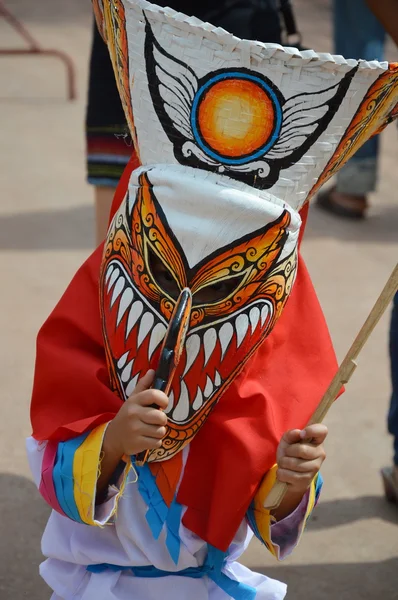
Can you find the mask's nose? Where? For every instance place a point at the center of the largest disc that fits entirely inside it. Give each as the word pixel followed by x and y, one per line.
pixel 171 351
pixel 174 342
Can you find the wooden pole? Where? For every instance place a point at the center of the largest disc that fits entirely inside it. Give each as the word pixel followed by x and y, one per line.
pixel 344 373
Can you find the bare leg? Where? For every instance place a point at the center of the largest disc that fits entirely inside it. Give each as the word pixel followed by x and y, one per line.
pixel 103 202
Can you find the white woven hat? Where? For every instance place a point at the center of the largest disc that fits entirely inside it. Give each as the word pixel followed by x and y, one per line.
pixel 274 118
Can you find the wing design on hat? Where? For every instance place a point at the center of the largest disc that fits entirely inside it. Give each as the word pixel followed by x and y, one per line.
pixel 236 121
pixel 304 119
pixel 173 86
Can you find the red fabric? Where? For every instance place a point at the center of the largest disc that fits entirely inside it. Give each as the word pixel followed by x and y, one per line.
pixel 71 386
pixel 278 390
pixel 71 341
pixel 121 189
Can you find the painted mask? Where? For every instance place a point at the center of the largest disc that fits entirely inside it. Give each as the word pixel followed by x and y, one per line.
pixel 233 137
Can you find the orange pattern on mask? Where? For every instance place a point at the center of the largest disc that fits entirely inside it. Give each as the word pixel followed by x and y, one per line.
pixel 261 277
pixel 148 233
pixel 249 260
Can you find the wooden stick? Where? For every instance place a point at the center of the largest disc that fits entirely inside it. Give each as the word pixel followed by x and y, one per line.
pixel 344 373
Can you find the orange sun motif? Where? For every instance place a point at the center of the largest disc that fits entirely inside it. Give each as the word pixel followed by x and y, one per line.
pixel 236 117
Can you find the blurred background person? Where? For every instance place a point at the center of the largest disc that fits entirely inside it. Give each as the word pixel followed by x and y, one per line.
pixel 387 13
pixel 357 34
pixel 390 474
pixel 108 142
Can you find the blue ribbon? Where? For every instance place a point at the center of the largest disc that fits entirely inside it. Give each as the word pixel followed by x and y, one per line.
pixel 236 590
pixel 211 568
pixel 158 513
pixel 63 476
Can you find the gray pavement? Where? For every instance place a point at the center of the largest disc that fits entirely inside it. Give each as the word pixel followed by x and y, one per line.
pixel 46 230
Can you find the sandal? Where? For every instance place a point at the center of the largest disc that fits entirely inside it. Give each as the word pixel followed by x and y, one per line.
pixel 326 202
pixel 390 484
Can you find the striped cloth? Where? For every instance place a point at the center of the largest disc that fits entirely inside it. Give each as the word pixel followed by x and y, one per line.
pixel 108 142
pixel 69 476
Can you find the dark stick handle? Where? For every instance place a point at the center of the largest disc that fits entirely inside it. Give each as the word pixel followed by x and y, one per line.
pixel 171 351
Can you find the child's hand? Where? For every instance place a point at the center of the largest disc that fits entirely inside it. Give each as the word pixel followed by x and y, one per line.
pixel 298 461
pixel 138 426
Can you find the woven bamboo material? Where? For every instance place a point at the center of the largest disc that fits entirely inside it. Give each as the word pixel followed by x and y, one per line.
pixel 188 51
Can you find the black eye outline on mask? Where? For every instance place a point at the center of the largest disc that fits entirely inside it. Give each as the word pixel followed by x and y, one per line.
pixel 165 280
pixel 158 270
pixel 231 284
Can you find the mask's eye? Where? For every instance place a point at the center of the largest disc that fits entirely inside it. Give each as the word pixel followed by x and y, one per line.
pixel 162 275
pixel 217 291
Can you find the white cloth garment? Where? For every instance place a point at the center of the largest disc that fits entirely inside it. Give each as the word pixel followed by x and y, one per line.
pixel 128 541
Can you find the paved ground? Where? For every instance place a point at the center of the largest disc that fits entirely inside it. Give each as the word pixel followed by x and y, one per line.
pixel 46 230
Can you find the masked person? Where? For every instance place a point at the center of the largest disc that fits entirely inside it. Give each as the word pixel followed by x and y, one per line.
pixel 233 138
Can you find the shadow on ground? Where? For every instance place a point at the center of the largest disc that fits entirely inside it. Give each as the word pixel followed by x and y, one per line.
pixel 23 517
pixel 342 581
pixel 376 229
pixel 349 581
pixel 67 229
pixel 349 510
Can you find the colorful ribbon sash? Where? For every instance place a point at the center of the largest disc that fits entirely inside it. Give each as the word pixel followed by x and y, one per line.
pixel 211 568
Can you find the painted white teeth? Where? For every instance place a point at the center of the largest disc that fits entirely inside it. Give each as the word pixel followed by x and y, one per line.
pixel 122 360
pixel 157 336
pixel 119 287
pixel 192 348
pixel 241 325
pixel 113 278
pixel 254 317
pixel 125 301
pixel 131 386
pixel 217 379
pixel 125 376
pixel 225 334
pixel 181 411
pixel 209 341
pixel 135 313
pixel 197 403
pixel 264 314
pixel 145 327
pixel 171 403
pixel 109 273
pixel 209 387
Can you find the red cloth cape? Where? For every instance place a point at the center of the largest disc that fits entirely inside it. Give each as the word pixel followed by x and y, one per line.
pixel 278 389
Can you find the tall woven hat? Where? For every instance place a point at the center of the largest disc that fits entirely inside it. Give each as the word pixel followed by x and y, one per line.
pixel 274 118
